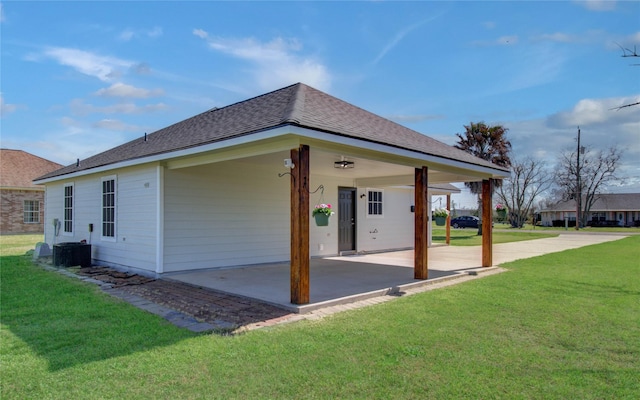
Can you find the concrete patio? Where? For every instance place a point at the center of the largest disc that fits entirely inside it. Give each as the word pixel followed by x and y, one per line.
pixel 340 280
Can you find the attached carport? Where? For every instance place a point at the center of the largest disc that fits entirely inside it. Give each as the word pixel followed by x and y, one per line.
pixel 313 155
pixel 443 171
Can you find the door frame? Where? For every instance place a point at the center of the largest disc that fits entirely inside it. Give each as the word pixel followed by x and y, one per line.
pixel 354 205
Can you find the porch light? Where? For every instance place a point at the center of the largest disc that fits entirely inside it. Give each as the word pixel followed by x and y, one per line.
pixel 344 164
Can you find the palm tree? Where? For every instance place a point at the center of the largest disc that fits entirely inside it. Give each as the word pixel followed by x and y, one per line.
pixel 489 143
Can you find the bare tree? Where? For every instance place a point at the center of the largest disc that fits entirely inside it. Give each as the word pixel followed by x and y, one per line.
pixel 529 178
pixel 595 170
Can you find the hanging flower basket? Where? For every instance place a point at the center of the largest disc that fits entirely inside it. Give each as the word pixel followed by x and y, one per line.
pixel 440 215
pixel 321 219
pixel 501 210
pixel 321 213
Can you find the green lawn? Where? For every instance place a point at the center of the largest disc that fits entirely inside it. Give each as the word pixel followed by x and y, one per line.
pixel 469 236
pixel 18 244
pixel 565 325
pixel 618 229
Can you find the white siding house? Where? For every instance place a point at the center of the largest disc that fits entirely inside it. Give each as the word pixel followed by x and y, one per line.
pixel 134 244
pixel 213 191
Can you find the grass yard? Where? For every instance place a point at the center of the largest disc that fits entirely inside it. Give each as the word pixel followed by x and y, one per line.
pixel 469 236
pixel 18 244
pixel 618 229
pixel 564 325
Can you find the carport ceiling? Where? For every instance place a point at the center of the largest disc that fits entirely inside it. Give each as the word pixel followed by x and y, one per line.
pixel 366 172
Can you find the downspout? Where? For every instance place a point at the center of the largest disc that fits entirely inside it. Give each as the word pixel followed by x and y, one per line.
pixel 160 219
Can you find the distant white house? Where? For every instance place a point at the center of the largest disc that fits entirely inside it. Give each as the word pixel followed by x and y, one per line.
pixel 221 188
pixel 619 209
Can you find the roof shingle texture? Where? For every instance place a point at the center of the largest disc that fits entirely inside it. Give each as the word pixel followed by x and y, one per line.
pixel 18 168
pixel 298 105
pixel 604 202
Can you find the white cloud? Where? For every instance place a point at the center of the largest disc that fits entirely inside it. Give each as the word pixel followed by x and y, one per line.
pixel 530 67
pixel 593 36
pixel 597 5
pixel 123 90
pixel 501 41
pixel 627 45
pixel 129 33
pixel 79 107
pixel 489 24
pixel 70 140
pixel 116 125
pixel 558 37
pixel 141 69
pixel 5 108
pixel 200 33
pixel 155 32
pixel 597 112
pixel 104 68
pixel 126 35
pixel 601 128
pixel 70 122
pixel 250 49
pixel 66 145
pixel 275 63
pixel 414 118
pixel 397 38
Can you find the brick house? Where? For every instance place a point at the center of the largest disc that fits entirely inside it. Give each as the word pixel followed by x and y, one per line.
pixel 22 202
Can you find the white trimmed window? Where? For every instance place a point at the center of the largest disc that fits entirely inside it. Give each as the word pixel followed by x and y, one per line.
pixel 109 208
pixel 374 202
pixel 67 222
pixel 31 212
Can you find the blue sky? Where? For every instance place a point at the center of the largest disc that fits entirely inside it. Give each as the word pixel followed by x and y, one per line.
pixel 78 78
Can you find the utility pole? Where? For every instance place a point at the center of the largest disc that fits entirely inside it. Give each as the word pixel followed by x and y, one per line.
pixel 578 188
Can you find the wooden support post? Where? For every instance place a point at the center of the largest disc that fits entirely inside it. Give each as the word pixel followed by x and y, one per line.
pixel 487 222
pixel 421 217
pixel 300 225
pixel 448 223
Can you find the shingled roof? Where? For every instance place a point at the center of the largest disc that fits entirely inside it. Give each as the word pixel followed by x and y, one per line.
pixel 18 168
pixel 295 105
pixel 603 203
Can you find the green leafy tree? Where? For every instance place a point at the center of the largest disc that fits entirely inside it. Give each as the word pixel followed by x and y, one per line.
pixel 488 142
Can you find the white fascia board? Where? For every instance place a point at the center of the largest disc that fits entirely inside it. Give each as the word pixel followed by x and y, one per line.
pixel 270 133
pixel 280 131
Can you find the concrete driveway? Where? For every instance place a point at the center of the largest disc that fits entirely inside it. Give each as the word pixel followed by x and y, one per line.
pixel 339 280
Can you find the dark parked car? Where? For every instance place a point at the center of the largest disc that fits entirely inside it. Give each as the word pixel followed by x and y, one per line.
pixel 466 221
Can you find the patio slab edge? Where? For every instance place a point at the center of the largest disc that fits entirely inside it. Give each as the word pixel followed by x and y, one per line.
pixel 390 291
